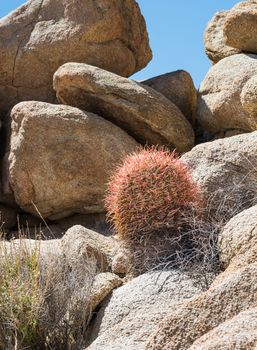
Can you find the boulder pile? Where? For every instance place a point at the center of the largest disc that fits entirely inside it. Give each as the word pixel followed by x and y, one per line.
pixel 70 114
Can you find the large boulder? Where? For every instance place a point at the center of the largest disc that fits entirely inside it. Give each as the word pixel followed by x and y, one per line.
pixel 214 41
pixel 238 333
pixel 60 158
pixel 179 88
pixel 248 97
pixel 220 107
pixel 192 319
pixel 42 35
pixel 240 27
pixel 238 236
pixel 225 170
pixel 143 112
pixel 129 315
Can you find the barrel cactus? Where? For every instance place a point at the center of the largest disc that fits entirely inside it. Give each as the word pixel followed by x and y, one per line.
pixel 150 193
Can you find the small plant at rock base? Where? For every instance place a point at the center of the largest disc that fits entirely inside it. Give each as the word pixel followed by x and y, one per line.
pixel 151 192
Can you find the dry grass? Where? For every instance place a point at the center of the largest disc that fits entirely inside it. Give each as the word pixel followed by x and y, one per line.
pixel 191 248
pixel 43 299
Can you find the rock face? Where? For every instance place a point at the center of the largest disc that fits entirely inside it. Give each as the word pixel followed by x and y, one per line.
pixel 214 41
pixel 196 317
pixel 219 104
pixel 239 235
pixel 144 113
pixel 41 35
pixel 240 28
pixel 61 157
pixel 238 333
pixel 225 169
pixel 79 241
pixel 248 97
pixel 179 88
pixel 129 316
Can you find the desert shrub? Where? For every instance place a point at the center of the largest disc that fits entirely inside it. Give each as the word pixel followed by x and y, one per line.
pixel 21 298
pixel 150 193
pixel 44 301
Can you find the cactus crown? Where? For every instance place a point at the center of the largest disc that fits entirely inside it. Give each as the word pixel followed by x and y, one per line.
pixel 152 191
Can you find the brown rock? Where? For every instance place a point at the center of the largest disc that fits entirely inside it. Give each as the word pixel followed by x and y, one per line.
pixel 61 158
pixel 240 27
pixel 144 113
pixel 219 104
pixel 214 42
pixel 238 333
pixel 179 88
pixel 194 318
pixel 42 35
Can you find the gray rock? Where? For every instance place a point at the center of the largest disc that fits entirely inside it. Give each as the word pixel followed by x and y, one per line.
pixel 128 317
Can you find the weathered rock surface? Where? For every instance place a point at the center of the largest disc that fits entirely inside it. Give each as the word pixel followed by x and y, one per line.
pixel 225 169
pixel 219 104
pixel 248 97
pixel 179 88
pixel 143 112
pixel 239 235
pixel 196 317
pixel 238 333
pixel 61 157
pixel 240 28
pixel 42 35
pixel 103 285
pixel 214 41
pixel 83 243
pixel 129 316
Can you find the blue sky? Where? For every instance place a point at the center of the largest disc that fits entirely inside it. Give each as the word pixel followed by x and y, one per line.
pixel 175 29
